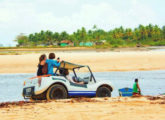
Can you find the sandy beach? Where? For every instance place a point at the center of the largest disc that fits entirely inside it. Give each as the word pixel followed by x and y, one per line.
pixel 88 109
pixel 115 108
pixel 98 61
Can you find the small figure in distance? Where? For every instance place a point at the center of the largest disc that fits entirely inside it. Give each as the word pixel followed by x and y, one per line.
pixel 136 89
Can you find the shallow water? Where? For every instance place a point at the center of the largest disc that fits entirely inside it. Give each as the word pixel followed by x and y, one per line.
pixel 151 83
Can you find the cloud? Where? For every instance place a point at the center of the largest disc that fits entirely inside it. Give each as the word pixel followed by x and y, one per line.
pixel 139 13
pixel 21 16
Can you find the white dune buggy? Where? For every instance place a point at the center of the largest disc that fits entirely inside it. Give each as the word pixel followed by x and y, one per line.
pixel 59 87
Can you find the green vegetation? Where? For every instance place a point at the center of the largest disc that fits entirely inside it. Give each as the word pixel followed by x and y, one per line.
pixel 150 35
pixel 10 53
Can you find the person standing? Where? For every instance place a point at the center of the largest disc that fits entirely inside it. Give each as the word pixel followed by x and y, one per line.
pixel 136 88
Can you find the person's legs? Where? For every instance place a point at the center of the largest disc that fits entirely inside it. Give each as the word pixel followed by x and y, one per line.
pixel 136 95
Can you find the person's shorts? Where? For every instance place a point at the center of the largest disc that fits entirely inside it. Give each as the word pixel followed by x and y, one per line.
pixel 134 94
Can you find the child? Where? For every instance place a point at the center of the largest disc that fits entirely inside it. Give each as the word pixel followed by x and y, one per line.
pixel 52 63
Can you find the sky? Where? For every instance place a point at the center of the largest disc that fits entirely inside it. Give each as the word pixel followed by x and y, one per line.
pixel 30 16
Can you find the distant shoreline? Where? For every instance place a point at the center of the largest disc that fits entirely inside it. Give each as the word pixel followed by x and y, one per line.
pixel 99 61
pixel 13 50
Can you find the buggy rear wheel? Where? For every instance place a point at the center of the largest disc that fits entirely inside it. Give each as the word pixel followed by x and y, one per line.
pixel 103 92
pixel 56 92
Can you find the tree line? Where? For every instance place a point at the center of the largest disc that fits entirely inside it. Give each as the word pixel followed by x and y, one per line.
pixel 118 37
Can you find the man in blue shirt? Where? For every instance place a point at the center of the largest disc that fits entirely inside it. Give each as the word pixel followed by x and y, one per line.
pixel 52 63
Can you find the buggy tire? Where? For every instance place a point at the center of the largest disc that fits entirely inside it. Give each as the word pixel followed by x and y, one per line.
pixel 103 92
pixel 41 96
pixel 56 92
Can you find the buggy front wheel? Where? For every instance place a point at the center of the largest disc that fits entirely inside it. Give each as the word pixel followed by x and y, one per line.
pixel 56 92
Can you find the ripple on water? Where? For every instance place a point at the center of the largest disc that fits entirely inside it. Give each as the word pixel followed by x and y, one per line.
pixel 151 82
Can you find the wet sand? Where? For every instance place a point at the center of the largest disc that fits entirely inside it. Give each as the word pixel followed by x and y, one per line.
pixel 98 61
pixel 88 109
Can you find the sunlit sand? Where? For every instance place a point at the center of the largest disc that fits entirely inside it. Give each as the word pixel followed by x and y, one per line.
pixel 98 61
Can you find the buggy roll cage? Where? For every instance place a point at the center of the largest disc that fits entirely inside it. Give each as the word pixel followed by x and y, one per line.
pixel 75 66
